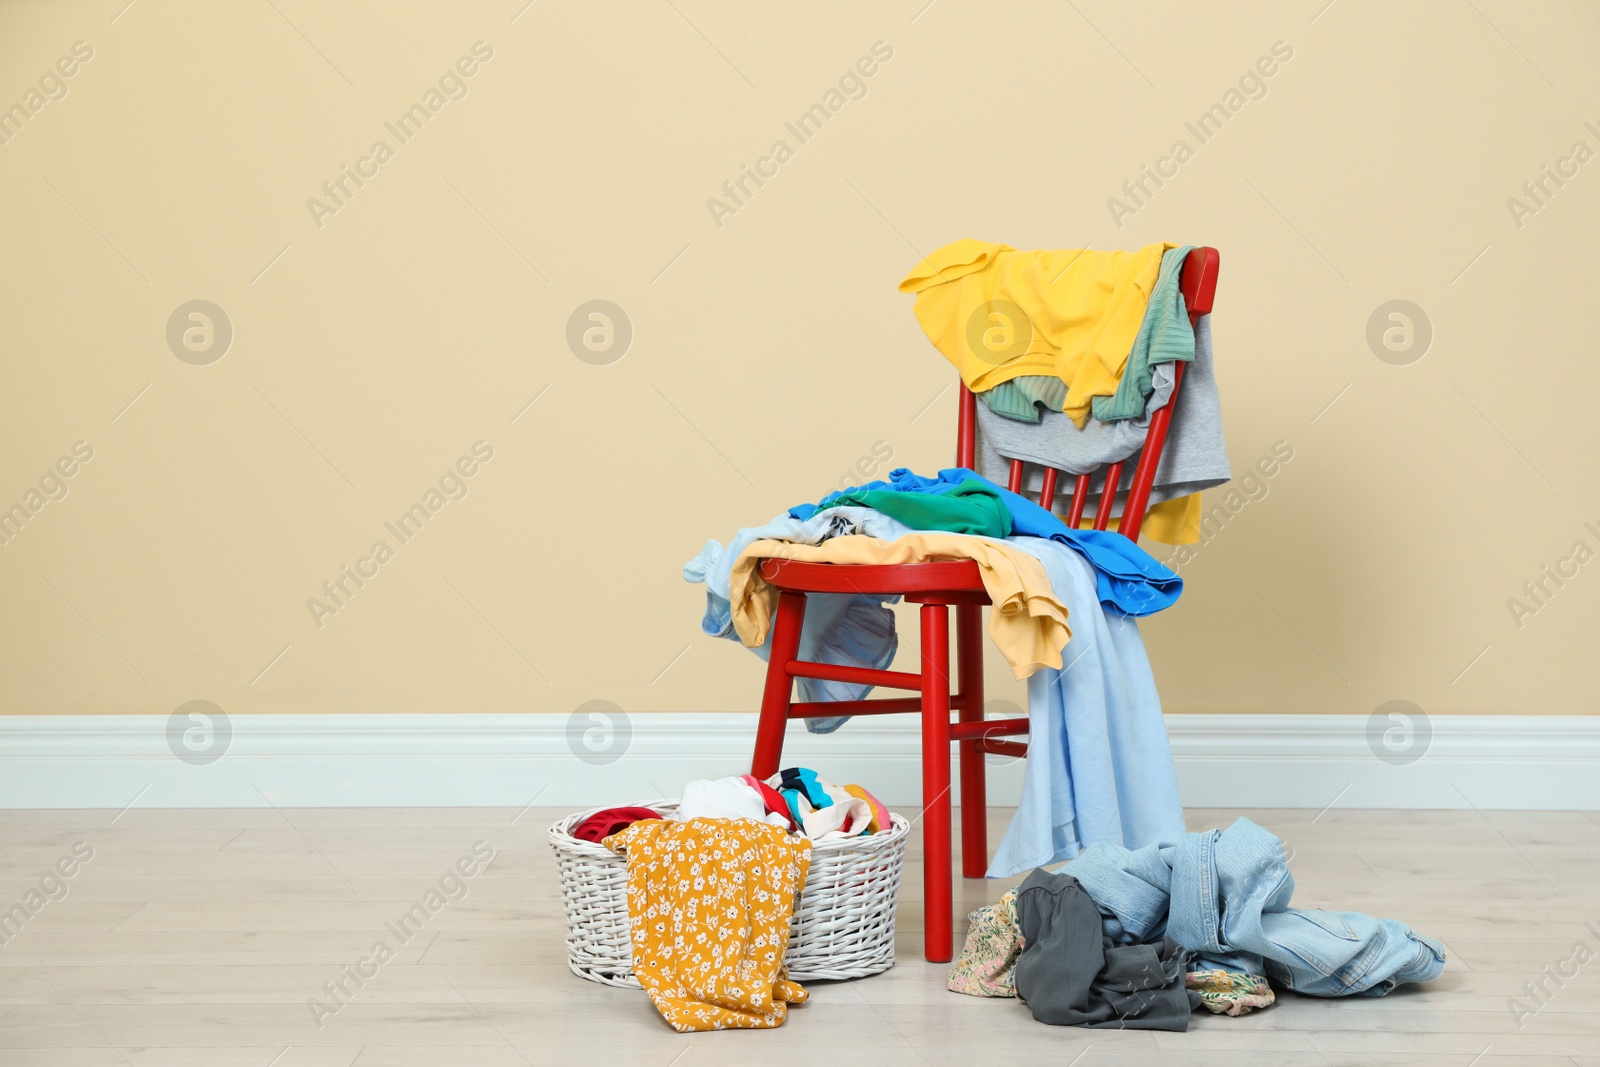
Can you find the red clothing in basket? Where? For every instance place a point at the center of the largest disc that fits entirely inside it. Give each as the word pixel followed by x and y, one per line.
pixel 602 824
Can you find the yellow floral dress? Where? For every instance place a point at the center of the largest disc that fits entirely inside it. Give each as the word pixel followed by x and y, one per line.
pixel 709 904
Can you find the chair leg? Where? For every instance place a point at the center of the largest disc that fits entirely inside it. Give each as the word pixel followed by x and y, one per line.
pixel 974 795
pixel 775 698
pixel 936 877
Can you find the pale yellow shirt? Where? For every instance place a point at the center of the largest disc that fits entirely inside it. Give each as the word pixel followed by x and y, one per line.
pixel 1028 624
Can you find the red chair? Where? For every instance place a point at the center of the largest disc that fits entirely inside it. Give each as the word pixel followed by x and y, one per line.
pixel 938 586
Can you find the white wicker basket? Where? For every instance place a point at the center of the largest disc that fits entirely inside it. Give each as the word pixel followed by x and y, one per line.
pixel 843 924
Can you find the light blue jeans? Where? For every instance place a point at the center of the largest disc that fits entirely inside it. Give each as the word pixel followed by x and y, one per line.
pixel 1224 894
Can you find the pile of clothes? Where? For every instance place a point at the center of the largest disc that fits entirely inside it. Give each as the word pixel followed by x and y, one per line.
pixel 712 888
pixel 798 799
pixel 1072 352
pixel 1099 766
pixel 1139 938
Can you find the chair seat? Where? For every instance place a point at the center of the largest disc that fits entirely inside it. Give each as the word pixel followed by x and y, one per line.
pixel 954 581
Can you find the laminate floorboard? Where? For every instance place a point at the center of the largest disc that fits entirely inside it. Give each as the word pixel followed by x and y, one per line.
pixel 197 938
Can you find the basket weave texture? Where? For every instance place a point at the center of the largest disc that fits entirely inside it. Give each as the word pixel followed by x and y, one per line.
pixel 843 925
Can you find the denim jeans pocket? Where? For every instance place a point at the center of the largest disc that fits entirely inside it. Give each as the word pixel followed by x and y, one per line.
pixel 1330 922
pixel 1323 942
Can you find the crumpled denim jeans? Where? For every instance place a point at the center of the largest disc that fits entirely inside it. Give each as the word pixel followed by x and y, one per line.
pixel 1224 894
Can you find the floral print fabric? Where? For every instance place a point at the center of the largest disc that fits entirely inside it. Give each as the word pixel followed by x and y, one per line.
pixel 1230 992
pixel 987 966
pixel 709 904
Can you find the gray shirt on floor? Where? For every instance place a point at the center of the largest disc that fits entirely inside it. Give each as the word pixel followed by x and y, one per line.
pixel 1195 456
pixel 1070 976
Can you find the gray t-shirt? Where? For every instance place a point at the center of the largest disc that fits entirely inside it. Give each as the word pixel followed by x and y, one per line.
pixel 1195 456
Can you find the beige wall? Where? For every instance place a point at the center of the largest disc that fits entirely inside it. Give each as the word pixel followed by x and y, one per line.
pixel 771 352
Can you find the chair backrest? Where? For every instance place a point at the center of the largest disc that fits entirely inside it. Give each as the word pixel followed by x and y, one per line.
pixel 1199 286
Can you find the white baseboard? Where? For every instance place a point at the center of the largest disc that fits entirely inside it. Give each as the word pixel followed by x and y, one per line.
pixel 466 760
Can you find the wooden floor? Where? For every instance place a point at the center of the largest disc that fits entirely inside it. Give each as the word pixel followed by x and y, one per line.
pixel 198 937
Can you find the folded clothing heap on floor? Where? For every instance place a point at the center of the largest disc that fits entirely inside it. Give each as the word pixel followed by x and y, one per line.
pixel 1137 939
pixel 712 888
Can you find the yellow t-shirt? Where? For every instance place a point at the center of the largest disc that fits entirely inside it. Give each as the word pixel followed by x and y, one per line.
pixel 1028 624
pixel 998 314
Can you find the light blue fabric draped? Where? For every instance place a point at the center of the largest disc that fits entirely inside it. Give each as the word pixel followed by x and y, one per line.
pixel 850 630
pixel 1099 765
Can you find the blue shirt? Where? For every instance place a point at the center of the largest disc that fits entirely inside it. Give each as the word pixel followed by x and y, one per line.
pixel 1129 580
